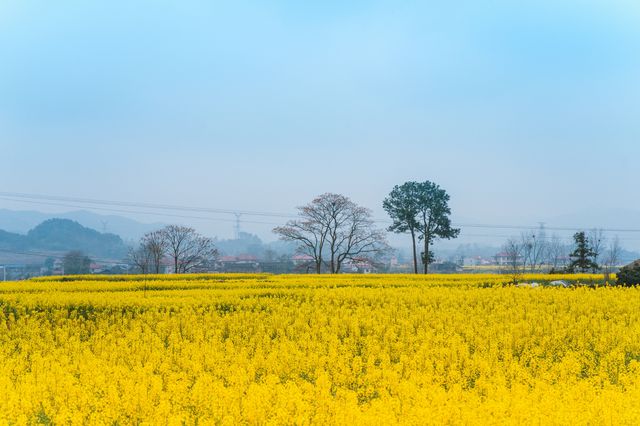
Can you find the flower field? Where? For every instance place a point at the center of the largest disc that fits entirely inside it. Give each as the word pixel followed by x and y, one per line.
pixel 304 349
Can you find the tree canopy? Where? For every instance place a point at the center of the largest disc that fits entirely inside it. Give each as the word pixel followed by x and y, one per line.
pixel 422 210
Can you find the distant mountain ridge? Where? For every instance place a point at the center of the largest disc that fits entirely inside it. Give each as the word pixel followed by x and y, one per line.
pixel 128 229
pixel 61 235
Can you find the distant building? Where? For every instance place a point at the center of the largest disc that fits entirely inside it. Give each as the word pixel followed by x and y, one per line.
pixel 97 268
pixel 240 263
pixel 503 259
pixel 303 263
pixel 58 267
pixel 301 259
pixel 358 266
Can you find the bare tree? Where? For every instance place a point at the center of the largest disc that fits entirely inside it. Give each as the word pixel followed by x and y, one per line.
pixel 598 241
pixel 513 250
pixel 355 238
pixel 187 248
pixel 155 244
pixel 309 234
pixel 556 253
pixel 332 229
pixel 534 247
pixel 612 257
pixel 140 257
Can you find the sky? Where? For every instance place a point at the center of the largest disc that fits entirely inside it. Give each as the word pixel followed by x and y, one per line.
pixel 523 111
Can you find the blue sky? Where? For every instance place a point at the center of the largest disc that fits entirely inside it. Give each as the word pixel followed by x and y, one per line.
pixel 523 111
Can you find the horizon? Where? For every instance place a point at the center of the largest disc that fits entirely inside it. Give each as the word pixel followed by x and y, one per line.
pixel 484 236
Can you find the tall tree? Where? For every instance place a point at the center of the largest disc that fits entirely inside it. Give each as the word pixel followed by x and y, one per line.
pixel 583 254
pixel 401 205
pixel 433 216
pixel 332 229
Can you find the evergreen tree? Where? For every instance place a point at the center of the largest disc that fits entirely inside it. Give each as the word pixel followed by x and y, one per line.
pixel 582 258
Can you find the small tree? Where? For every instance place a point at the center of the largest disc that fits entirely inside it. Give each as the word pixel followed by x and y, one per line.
pixel 534 249
pixel 155 246
pixel 583 254
pixel 513 249
pixel 76 262
pixel 630 274
pixel 611 258
pixel 140 257
pixel 556 253
pixel 598 242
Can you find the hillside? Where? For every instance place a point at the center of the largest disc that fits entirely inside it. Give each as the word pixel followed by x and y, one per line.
pixel 60 235
pixel 21 221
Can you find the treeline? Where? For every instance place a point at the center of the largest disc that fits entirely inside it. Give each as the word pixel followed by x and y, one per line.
pixel 332 229
pixel 328 232
pixel 535 252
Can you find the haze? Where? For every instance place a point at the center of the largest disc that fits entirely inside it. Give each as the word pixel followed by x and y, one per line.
pixel 522 111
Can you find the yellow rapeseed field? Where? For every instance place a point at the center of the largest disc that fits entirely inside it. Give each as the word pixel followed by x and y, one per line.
pixel 304 349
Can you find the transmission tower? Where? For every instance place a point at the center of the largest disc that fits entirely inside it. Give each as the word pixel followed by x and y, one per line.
pixel 237 225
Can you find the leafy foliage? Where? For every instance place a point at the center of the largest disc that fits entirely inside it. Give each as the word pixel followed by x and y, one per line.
pixel 629 275
pixel 582 258
pixel 422 209
pixel 76 263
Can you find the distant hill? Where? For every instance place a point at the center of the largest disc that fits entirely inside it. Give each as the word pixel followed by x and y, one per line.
pixel 22 221
pixel 60 235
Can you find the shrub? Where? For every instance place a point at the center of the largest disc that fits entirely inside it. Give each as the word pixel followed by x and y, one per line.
pixel 630 274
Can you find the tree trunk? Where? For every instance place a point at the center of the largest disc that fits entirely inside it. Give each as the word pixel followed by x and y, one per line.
pixel 415 255
pixel 426 255
pixel 175 264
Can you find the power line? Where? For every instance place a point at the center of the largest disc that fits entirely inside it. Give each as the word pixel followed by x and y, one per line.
pixel 138 204
pixel 134 211
pixel 63 201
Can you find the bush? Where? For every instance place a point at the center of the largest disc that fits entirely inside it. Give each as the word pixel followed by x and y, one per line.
pixel 630 274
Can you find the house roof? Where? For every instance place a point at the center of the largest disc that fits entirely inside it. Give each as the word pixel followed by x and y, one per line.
pixel 302 257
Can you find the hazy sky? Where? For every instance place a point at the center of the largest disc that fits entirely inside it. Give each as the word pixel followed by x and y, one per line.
pixel 522 110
